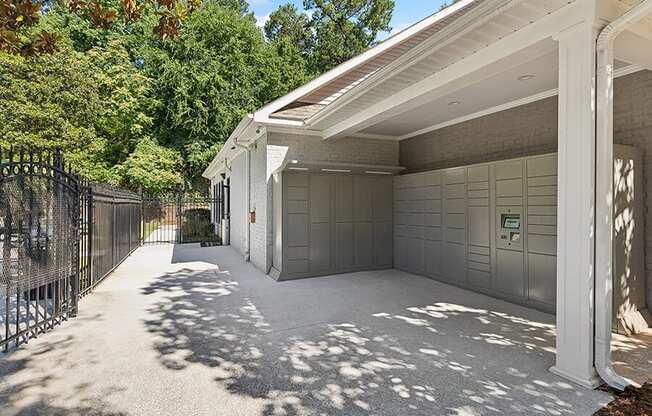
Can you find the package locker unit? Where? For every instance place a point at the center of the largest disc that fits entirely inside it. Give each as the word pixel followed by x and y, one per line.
pixel 332 223
pixel 492 228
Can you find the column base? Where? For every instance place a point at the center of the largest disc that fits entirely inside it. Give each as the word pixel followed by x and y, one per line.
pixel 591 383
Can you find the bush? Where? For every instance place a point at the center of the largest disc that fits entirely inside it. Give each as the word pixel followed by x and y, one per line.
pixel 196 225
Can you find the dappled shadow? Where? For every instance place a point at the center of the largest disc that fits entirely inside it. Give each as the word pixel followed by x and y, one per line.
pixel 632 356
pixel 29 391
pixel 442 358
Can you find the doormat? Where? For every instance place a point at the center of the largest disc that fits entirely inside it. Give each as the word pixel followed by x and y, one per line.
pixel 210 244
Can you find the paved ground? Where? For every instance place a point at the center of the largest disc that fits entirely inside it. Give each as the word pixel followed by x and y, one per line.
pixel 195 331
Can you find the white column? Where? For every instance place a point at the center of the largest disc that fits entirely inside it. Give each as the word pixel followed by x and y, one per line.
pixel 576 205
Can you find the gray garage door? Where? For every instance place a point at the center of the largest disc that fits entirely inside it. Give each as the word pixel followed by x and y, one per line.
pixel 334 223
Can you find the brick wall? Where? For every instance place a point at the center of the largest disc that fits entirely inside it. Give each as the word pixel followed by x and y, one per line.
pixel 532 129
pixel 347 150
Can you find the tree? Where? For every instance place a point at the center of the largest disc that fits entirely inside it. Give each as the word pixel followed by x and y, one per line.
pixel 287 24
pixel 345 28
pixel 125 116
pixel 208 78
pixel 18 18
pixel 336 31
pixel 151 167
pixel 52 101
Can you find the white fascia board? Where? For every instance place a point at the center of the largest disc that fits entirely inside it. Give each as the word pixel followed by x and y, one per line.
pixel 461 26
pixel 630 69
pixel 263 113
pixel 469 68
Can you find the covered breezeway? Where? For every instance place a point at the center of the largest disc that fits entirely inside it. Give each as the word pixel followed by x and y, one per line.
pixel 489 82
pixel 184 330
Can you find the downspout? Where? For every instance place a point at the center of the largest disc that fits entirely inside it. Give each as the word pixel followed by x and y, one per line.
pixel 247 255
pixel 604 189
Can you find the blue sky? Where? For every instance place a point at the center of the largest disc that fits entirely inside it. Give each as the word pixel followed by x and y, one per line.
pixel 406 12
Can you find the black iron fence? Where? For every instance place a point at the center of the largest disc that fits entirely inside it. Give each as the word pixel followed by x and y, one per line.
pixel 179 218
pixel 39 242
pixel 111 221
pixel 60 236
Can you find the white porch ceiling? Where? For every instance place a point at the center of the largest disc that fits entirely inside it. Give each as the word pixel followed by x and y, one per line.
pixel 492 92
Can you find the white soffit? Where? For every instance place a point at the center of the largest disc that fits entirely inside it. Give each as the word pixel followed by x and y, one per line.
pixel 499 89
pixel 493 26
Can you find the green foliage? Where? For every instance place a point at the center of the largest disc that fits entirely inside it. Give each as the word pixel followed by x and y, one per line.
pixel 49 101
pixel 336 31
pixel 151 167
pixel 218 69
pixel 131 107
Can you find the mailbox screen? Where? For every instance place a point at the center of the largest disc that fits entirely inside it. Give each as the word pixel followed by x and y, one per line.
pixel 512 223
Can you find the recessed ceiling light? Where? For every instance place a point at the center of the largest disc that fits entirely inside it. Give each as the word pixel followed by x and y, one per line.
pixel 526 77
pixel 454 103
pixel 303 169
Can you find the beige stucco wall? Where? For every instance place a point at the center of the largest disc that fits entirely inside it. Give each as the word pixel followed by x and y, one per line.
pixel 532 129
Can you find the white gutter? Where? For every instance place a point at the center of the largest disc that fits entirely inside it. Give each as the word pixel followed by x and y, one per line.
pixel 604 189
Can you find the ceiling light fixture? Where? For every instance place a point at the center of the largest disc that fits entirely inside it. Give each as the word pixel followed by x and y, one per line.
pixel 298 168
pixel 377 172
pixel 454 103
pixel 526 77
pixel 337 170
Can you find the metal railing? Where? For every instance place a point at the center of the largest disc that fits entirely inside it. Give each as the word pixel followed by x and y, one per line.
pixel 111 222
pixel 60 236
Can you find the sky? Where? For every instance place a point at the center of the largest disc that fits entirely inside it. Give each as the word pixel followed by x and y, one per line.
pixel 406 12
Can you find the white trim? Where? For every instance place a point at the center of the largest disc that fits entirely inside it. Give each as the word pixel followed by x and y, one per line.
pixel 318 133
pixel 439 40
pixel 627 70
pixel 465 71
pixel 375 136
pixel 263 113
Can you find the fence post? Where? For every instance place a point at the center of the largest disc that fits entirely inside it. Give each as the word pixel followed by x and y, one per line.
pixel 89 234
pixel 74 279
pixel 141 233
pixel 179 217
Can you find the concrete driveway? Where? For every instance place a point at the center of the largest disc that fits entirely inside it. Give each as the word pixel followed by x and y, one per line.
pixel 196 331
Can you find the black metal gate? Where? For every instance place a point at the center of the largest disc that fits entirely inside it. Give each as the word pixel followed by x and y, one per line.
pixel 60 236
pixel 179 218
pixel 39 243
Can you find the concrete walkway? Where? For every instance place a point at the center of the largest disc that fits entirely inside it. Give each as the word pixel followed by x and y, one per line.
pixel 196 331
